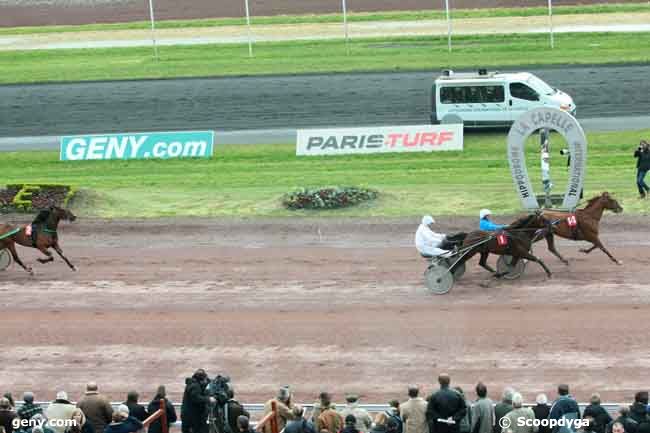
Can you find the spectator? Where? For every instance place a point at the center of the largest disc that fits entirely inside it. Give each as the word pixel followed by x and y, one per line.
pixel 601 417
pixel 392 426
pixel 96 407
pixel 542 411
pixel 243 425
pixel 564 407
pixel 60 409
pixel 40 421
pixel 414 412
pixel 466 421
pixel 617 427
pixel 362 417
pixel 446 408
pixel 588 424
pixel 350 424
pixel 638 410
pixel 154 405
pixel 379 423
pixel 136 410
pixel 80 424
pixel 482 411
pixel 123 422
pixel 235 410
pixel 299 424
pixel 644 427
pixel 393 414
pixel 7 415
pixel 283 407
pixel 29 409
pixel 10 397
pixel 642 155
pixel 519 413
pixel 628 424
pixel 194 409
pixel 502 408
pixel 328 420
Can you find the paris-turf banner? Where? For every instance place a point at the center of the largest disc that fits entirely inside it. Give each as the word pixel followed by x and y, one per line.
pixel 339 141
pixel 163 145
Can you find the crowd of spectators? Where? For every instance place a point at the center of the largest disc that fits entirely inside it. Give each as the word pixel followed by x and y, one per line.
pixel 447 410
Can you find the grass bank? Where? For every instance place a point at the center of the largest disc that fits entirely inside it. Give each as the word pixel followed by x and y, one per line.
pixel 331 18
pixel 296 57
pixel 248 181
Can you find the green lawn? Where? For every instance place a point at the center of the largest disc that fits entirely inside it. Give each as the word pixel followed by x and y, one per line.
pixel 295 57
pixel 328 18
pixel 249 181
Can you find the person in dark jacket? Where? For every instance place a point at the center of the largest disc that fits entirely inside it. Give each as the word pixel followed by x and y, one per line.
pixel 625 420
pixel 639 409
pixel 136 410
pixel 29 409
pixel 235 410
pixel 299 424
pixel 394 414
pixel 564 407
pixel 644 427
pixel 154 405
pixel 243 425
pixel 446 408
pixel 542 411
pixel 194 409
pixel 642 155
pixel 599 414
pixel 502 408
pixel 7 415
pixel 123 422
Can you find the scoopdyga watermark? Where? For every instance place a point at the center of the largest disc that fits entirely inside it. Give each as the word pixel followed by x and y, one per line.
pixel 565 124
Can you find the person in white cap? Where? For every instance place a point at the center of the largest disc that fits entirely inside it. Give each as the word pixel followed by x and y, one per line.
pixel 486 223
pixel 427 241
pixel 60 409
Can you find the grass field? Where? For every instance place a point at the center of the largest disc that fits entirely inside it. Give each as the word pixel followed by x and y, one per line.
pixel 295 57
pixel 249 181
pixel 330 18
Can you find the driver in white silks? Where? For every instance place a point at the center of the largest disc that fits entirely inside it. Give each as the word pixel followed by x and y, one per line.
pixel 427 241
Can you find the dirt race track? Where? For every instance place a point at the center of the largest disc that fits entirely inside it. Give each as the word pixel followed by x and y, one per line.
pixel 272 302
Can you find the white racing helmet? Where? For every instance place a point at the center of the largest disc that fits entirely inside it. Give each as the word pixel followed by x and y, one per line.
pixel 427 219
pixel 484 212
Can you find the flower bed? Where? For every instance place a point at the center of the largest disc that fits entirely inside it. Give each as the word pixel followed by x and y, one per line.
pixel 327 198
pixel 34 197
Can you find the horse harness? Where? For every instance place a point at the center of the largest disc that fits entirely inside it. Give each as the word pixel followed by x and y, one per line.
pixel 33 229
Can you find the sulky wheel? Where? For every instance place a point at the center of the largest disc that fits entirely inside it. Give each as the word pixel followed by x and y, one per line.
pixel 509 272
pixel 5 260
pixel 438 278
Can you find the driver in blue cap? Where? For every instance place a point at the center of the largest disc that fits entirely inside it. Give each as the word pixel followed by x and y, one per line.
pixel 486 223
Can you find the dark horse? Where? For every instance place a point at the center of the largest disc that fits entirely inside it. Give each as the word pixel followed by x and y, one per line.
pixel 43 238
pixel 588 220
pixel 519 237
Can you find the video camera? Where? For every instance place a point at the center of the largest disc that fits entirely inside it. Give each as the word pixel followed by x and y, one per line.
pixel 221 390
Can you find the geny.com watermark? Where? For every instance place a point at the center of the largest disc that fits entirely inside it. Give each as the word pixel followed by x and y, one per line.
pixel 52 423
pixel 573 424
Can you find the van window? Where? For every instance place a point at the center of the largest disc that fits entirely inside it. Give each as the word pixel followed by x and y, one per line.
pixel 522 91
pixel 471 94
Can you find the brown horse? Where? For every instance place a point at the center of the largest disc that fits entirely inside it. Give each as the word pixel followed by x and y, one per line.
pixel 46 237
pixel 519 237
pixel 588 220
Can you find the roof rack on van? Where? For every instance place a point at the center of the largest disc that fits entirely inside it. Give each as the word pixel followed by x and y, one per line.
pixel 448 74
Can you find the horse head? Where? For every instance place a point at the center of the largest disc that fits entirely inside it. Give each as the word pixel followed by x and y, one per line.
pixel 610 203
pixel 62 214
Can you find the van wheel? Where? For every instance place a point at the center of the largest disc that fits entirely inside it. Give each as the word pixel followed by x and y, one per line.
pixel 451 119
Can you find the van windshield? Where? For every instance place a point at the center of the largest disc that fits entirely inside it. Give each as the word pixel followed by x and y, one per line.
pixel 540 86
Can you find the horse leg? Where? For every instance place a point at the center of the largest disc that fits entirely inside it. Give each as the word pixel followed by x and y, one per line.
pixel 58 250
pixel 483 262
pixel 588 250
pixel 532 258
pixel 47 253
pixel 550 243
pixel 12 249
pixel 598 244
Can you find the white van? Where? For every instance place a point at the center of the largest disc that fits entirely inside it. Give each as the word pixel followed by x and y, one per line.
pixel 492 99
